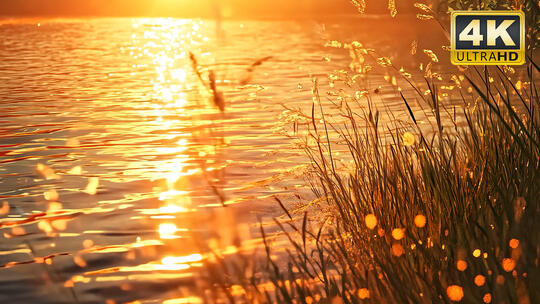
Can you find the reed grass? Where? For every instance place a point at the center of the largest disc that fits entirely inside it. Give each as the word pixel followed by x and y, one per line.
pixel 439 215
pixel 442 212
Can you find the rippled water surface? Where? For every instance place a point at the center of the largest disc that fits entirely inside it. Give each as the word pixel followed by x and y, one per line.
pixel 114 164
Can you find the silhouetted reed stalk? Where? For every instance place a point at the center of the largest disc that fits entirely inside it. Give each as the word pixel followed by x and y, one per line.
pixel 218 101
pixel 210 85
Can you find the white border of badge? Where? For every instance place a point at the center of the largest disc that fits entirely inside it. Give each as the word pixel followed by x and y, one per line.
pixel 483 13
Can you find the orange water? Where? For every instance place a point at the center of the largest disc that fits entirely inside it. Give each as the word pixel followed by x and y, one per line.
pixel 115 103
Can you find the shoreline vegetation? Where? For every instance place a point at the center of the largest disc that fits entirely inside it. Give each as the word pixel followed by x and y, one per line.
pixel 420 217
pixel 435 203
pixel 438 211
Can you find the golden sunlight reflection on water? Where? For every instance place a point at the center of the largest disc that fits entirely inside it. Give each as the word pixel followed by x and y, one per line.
pixel 116 163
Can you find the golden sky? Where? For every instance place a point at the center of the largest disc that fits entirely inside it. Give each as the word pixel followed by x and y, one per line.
pixel 186 8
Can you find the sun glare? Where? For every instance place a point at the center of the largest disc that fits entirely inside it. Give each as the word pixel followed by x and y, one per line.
pixel 167 231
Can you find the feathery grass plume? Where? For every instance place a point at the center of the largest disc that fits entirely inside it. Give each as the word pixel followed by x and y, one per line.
pixel 195 67
pixel 384 61
pixel 334 44
pixel 217 96
pixel 392 8
pixel 423 7
pixel 423 17
pixel 259 62
pixel 360 5
pixel 431 55
pixel 414 46
pixel 251 67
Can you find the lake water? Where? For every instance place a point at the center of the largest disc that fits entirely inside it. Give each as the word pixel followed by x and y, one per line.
pixel 115 164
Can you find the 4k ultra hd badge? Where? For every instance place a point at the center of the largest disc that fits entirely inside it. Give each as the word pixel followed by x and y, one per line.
pixel 488 37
